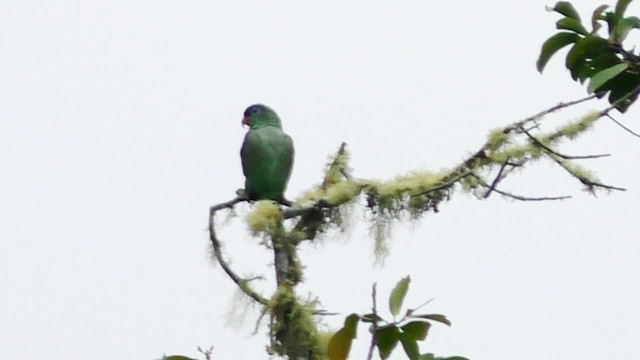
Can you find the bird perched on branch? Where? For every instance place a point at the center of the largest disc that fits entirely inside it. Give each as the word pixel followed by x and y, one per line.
pixel 267 155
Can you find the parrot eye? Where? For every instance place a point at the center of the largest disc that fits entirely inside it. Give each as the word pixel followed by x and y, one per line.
pixel 254 111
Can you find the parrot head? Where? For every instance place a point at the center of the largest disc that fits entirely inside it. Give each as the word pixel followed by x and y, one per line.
pixel 257 116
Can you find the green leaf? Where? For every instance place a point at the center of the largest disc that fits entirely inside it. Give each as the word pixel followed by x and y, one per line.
pixel 597 16
pixel 410 346
pixel 435 317
pixel 605 75
pixel 594 66
pixel 571 24
pixel 585 48
pixel 397 295
pixel 565 8
pixel 612 21
pixel 621 7
pixel 369 318
pixel 552 45
pixel 386 340
pixel 624 26
pixel 340 343
pixel 416 329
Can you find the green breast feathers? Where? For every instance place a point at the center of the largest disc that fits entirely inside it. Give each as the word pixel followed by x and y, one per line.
pixel 267 155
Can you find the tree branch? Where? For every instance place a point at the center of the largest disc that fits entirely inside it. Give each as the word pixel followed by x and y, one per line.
pixel 622 126
pixel 374 323
pixel 590 184
pixel 484 184
pixel 497 179
pixel 551 151
pixel 217 251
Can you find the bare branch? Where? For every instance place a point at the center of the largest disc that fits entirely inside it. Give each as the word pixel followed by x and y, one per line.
pixel 217 251
pixel 206 353
pixel 548 111
pixel 497 179
pixel 483 183
pixel 372 346
pixel 590 184
pixel 566 157
pixel 622 126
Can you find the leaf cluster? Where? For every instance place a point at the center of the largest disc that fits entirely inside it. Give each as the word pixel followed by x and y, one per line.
pixel 609 67
pixel 408 330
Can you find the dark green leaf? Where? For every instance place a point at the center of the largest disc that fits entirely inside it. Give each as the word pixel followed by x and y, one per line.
pixel 597 15
pixel 340 343
pixel 410 346
pixel 430 356
pixel 624 26
pixel 397 295
pixel 594 66
pixel 435 317
pixel 621 7
pixel 386 340
pixel 586 48
pixel 552 45
pixel 566 8
pixel 416 329
pixel 612 21
pixel 605 75
pixel 571 24
pixel 623 88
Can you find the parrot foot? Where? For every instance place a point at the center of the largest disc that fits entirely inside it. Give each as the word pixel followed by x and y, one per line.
pixel 242 194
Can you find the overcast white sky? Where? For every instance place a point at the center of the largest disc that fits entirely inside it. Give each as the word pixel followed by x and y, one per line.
pixel 120 126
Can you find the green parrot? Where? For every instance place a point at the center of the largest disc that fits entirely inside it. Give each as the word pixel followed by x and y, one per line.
pixel 267 155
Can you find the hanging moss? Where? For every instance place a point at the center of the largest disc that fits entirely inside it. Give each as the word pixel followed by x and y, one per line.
pixel 380 230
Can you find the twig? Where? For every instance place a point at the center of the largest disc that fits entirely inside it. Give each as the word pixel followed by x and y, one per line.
pixel 497 179
pixel 341 151
pixel 622 126
pixel 206 353
pixel 217 251
pixel 483 183
pixel 526 198
pixel 589 183
pixel 423 304
pixel 566 157
pixel 372 346
pixel 548 111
